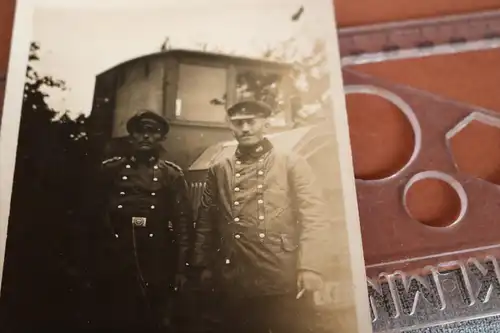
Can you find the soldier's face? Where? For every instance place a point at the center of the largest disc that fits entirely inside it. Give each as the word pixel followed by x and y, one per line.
pixel 147 138
pixel 248 132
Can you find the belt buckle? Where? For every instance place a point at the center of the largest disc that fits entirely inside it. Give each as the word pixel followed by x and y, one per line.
pixel 139 221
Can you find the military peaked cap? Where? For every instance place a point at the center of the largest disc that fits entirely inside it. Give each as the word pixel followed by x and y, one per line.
pixel 146 116
pixel 249 109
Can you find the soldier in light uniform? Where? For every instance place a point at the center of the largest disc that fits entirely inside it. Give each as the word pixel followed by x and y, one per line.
pixel 263 234
pixel 144 239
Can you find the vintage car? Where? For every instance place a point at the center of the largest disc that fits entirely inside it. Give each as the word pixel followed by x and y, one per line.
pixel 192 90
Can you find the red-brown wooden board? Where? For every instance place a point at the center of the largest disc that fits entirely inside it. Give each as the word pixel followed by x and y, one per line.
pixel 6 24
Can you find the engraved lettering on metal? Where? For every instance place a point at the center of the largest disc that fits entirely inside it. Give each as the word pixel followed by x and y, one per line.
pixel 448 292
pixel 139 221
pixel 414 291
pixel 487 275
pixel 381 296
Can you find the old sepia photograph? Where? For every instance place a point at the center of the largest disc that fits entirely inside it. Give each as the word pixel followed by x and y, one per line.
pixel 178 166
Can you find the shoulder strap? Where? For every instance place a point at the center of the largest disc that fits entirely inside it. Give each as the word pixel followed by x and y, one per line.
pixel 173 165
pixel 112 159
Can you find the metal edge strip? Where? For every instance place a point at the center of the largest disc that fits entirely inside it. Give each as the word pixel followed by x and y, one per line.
pixel 443 49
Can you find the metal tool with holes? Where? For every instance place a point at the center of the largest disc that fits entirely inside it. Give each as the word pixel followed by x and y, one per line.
pixel 422 274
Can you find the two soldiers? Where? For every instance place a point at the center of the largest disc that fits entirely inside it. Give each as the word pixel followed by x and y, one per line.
pixel 263 235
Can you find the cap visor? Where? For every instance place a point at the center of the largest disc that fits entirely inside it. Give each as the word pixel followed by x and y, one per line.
pixel 243 116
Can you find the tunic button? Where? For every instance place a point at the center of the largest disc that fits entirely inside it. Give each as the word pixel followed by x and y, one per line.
pixel 237 236
pixel 116 236
pixel 236 189
pixel 127 166
pixel 152 206
pixel 260 201
pixel 236 219
pixel 261 217
pixel 122 193
pixel 155 167
pixel 237 175
pixel 262 235
pixel 155 179
pixel 228 261
pixel 238 162
pixel 153 194
pixel 124 177
pixel 120 206
pixel 150 235
pixel 261 160
pixel 261 172
pixel 259 186
pixel 236 203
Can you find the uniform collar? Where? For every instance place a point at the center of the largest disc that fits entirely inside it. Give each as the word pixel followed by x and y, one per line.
pixel 255 151
pixel 152 159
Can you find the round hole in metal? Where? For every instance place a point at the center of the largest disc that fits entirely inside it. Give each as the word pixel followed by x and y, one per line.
pixel 383 140
pixel 435 199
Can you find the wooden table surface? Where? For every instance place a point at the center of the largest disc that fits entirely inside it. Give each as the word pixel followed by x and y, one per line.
pixel 6 23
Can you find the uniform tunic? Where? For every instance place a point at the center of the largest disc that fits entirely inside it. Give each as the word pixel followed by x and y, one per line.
pixel 262 218
pixel 146 234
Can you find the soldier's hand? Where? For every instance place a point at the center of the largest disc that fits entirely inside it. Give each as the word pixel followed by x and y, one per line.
pixel 180 281
pixel 309 281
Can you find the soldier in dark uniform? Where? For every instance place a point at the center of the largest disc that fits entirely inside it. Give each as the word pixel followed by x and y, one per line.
pixel 263 234
pixel 141 249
